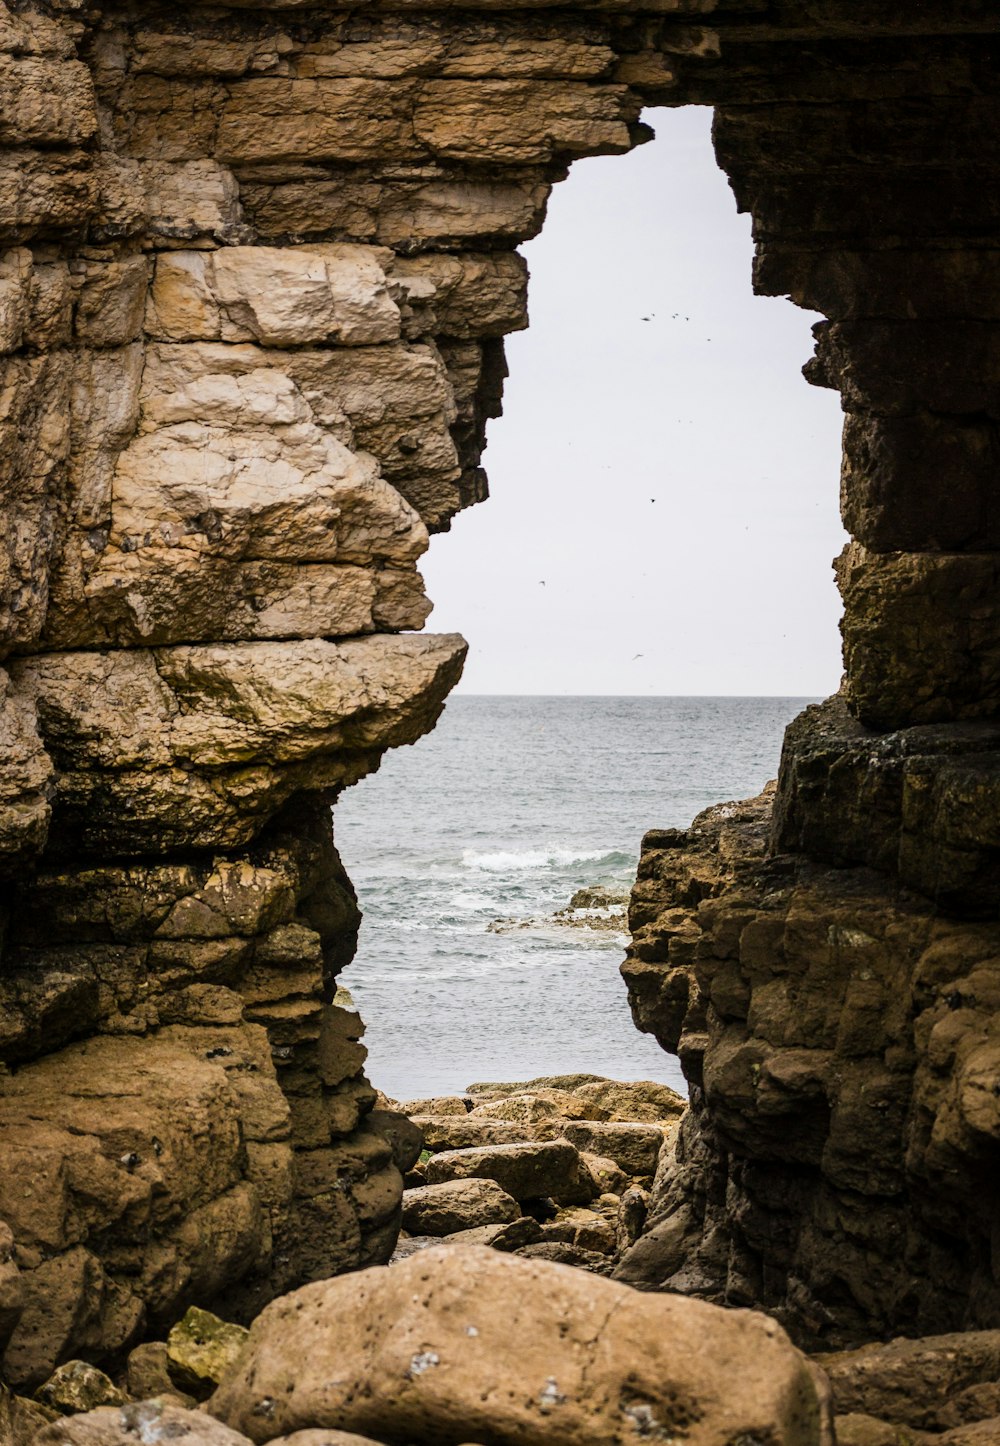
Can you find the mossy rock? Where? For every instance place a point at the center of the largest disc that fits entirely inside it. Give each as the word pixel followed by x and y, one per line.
pixel 78 1386
pixel 201 1351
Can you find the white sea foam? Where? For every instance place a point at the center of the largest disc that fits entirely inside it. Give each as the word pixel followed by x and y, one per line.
pixel 505 860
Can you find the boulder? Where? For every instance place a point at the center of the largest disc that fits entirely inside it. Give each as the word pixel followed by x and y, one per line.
pixel 977 1433
pixel 20 1419
pixel 634 1148
pixel 143 1422
pixel 437 1105
pixel 633 1209
pixel 326 1438
pixel 584 1228
pixel 202 1350
pixel 916 1383
pixel 465 1132
pixel 147 1374
pixel 640 1100
pixel 524 1109
pixel 525 1170
pixel 494 1089
pixel 78 1386
pixel 456 1205
pixel 609 1177
pixel 855 1429
pixel 463 1344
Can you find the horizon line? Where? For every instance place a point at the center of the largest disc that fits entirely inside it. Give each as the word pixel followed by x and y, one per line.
pixel 791 697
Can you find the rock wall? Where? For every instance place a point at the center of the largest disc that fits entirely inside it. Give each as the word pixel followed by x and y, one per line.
pixel 258 261
pixel 826 960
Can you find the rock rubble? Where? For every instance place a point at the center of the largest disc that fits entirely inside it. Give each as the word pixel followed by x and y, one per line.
pixel 542 1188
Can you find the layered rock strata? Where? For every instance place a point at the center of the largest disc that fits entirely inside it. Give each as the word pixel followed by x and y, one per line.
pixel 838 1161
pixel 258 261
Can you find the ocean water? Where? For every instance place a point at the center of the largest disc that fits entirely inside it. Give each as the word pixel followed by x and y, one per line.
pixel 502 813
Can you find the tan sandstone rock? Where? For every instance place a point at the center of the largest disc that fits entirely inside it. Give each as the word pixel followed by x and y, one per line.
pixel 457 1205
pixel 454 1344
pixel 634 1148
pixel 527 1171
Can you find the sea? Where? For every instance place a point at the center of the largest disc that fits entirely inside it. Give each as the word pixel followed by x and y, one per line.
pixel 465 846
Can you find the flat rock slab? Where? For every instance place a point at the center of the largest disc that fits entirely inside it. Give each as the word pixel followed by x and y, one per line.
pixel 466 1132
pixel 466 1344
pixel 527 1171
pixel 634 1148
pixel 457 1205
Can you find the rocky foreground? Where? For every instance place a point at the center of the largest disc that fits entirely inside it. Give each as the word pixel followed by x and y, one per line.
pixel 459 1342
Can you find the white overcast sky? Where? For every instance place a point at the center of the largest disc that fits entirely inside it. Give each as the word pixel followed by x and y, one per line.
pixel 723 583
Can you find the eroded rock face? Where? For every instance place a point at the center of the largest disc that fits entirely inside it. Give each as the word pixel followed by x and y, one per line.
pixel 254 277
pixel 838 1161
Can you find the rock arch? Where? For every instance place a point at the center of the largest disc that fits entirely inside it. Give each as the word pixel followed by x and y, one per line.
pixel 259 259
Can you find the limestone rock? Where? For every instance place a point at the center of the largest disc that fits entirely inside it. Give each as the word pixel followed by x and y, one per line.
pixel 257 266
pixel 138 1148
pixel 525 1110
pixel 639 1101
pixel 584 1228
pixel 291 296
pixel 202 1350
pixel 787 1071
pixel 856 1429
pixel 457 1205
pixel 75 1387
pixel 527 1171
pixel 26 784
pixel 457 1105
pixel 509 1237
pixel 213 740
pixel 634 1148
pixel 568 1253
pixel 466 1131
pixel 459 1343
pixel 607 1175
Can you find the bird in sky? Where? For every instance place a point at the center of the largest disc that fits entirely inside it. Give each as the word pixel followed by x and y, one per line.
pixel 638 655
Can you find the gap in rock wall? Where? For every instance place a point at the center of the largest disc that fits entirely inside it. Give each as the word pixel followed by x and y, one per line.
pixel 649 369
